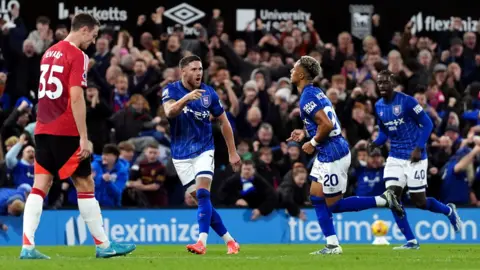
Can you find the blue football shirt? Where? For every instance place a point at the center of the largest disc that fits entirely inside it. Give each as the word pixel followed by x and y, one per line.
pixel 334 147
pixel 8 195
pixel 22 173
pixel 191 130
pixel 369 181
pixel 455 186
pixel 399 120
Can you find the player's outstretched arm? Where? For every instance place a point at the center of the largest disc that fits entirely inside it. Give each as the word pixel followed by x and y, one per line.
pixel 174 107
pixel 227 133
pixel 467 160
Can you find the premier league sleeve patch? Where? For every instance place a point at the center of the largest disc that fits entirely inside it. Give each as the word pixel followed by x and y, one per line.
pixel 206 101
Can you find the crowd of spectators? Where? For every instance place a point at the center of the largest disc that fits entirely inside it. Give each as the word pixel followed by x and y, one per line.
pixel 130 133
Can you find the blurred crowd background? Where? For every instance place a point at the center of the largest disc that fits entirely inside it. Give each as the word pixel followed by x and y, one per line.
pixel 127 71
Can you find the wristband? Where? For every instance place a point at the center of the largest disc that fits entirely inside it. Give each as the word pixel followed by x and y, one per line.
pixel 313 142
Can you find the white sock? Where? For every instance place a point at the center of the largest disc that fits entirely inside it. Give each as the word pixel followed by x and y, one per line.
pixel 91 214
pixel 381 202
pixel 332 240
pixel 31 219
pixel 413 241
pixel 202 237
pixel 227 237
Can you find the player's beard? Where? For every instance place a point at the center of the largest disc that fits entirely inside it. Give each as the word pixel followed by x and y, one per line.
pixel 196 84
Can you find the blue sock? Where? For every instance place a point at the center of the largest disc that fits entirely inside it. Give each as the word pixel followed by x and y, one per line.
pixel 353 204
pixel 217 224
pixel 324 215
pixel 404 226
pixel 204 212
pixel 437 207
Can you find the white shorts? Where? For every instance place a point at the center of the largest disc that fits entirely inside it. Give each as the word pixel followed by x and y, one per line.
pixel 400 172
pixel 332 175
pixel 189 170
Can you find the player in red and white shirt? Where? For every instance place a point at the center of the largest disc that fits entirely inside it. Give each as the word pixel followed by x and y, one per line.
pixel 62 145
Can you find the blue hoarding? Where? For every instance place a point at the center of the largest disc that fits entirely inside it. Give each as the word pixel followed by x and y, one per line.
pixel 179 227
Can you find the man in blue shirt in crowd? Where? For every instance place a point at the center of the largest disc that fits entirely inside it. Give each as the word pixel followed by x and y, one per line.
pixel 402 120
pixel 12 201
pixel 21 169
pixel 455 185
pixel 110 175
pixel 369 177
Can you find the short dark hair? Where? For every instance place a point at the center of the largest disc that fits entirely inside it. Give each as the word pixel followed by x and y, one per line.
pixel 220 61
pixel 387 73
pixel 84 19
pixel 248 162
pixel 43 20
pixel 362 149
pixel 189 59
pixel 276 54
pixel 61 26
pixel 111 149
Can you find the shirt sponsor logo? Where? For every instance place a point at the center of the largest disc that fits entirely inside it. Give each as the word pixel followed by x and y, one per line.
pixel 309 107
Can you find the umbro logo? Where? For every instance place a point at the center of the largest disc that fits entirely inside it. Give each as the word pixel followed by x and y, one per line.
pixel 184 14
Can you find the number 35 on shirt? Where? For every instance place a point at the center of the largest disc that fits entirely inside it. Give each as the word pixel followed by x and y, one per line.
pixel 49 77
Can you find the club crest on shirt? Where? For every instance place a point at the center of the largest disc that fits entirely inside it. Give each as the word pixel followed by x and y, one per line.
pixel 380 114
pixel 397 110
pixel 206 100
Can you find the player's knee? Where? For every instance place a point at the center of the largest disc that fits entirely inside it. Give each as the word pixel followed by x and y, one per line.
pixel 43 183
pixel 203 183
pixel 420 203
pixel 333 205
pixel 316 189
pixel 84 184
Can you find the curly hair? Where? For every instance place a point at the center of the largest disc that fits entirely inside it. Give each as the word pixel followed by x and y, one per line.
pixel 311 66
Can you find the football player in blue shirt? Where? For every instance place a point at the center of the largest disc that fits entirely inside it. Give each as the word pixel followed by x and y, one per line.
pixel 402 120
pixel 329 174
pixel 188 105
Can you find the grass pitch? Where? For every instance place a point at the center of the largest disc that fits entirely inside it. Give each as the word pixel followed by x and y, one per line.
pixel 251 257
